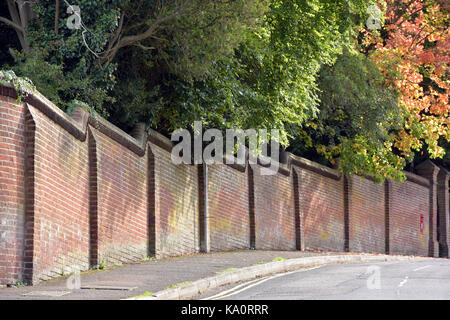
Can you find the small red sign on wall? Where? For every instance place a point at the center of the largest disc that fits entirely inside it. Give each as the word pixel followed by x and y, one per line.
pixel 422 224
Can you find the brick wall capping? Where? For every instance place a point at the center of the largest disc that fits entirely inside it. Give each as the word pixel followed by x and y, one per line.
pixel 427 169
pixel 160 140
pixel 166 144
pixel 293 160
pixel 443 176
pixel 120 136
pixel 75 125
pixel 284 169
pixel 231 161
pixel 313 166
pixel 367 177
pixel 412 177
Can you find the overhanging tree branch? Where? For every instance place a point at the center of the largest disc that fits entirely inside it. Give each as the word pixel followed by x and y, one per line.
pixel 20 13
pixel 120 42
pixel 12 24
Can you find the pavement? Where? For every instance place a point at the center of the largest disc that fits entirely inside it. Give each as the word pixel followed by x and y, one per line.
pixel 181 277
pixel 126 281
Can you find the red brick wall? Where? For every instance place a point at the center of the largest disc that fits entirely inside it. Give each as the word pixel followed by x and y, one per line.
pixel 322 210
pixel 176 205
pixel 75 194
pixel 408 201
pixel 61 200
pixel 228 208
pixel 366 215
pixel 274 211
pixel 122 202
pixel 12 193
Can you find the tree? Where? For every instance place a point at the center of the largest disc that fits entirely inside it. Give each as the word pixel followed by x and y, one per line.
pixel 270 81
pixel 378 122
pixel 71 64
pixel 21 14
pixel 231 63
pixel 412 51
pixel 357 113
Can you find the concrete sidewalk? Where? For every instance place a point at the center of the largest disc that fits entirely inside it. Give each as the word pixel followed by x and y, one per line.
pixel 152 276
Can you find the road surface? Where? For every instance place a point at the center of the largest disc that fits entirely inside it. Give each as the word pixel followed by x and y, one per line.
pixel 418 279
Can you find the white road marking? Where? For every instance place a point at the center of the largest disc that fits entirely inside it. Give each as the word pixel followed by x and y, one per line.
pixel 232 289
pixel 251 284
pixel 421 268
pixel 403 282
pixel 221 296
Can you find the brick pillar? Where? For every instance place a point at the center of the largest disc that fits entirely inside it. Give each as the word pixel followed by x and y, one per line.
pixel 29 263
pixel 387 212
pixel 346 213
pixel 299 232
pixel 153 217
pixel 251 207
pixel 205 243
pixel 93 201
pixel 430 171
pixel 444 212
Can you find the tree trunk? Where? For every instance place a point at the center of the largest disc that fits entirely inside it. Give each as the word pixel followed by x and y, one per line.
pixel 20 12
pixel 57 17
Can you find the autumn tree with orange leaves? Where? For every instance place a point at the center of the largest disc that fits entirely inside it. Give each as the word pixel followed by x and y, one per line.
pixel 412 51
pixel 384 103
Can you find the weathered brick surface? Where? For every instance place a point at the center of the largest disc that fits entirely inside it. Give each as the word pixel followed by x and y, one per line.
pixel 228 208
pixel 408 202
pixel 444 213
pixel 61 200
pixel 366 215
pixel 274 211
pixel 429 171
pixel 12 193
pixel 176 207
pixel 122 202
pixel 321 210
pixel 75 193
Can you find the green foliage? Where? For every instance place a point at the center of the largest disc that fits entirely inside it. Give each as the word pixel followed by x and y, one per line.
pixel 357 115
pixel 160 72
pixel 241 63
pixel 270 80
pixel 23 86
pixel 244 63
pixel 61 66
pixel 207 32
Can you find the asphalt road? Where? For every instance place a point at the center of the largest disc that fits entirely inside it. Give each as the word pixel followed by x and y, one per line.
pixel 421 279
